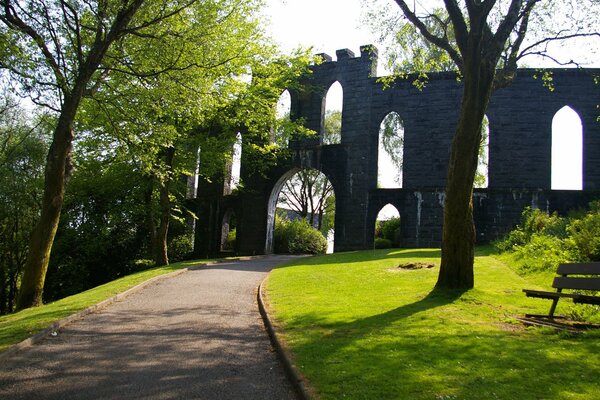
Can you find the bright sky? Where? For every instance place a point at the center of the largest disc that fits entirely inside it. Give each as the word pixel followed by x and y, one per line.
pixel 325 25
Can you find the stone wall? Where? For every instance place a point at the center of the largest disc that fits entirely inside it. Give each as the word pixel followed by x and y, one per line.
pixel 520 118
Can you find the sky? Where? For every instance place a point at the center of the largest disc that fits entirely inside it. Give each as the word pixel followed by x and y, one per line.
pixel 325 25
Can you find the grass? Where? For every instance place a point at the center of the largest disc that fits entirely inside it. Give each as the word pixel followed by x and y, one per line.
pixel 19 326
pixel 361 329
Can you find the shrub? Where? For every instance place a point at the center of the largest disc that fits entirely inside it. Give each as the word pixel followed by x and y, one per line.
pixel 542 241
pixel 298 237
pixel 533 222
pixel 231 237
pixel 180 247
pixel 585 233
pixel 544 253
pixel 389 230
pixel 382 243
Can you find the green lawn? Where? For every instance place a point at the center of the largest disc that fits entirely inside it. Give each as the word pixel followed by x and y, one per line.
pixel 19 326
pixel 361 329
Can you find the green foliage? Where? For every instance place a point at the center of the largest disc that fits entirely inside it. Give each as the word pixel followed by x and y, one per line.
pixel 585 233
pixel 387 231
pixel 309 194
pixel 544 253
pixel 23 147
pixel 390 229
pixel 180 247
pixel 381 243
pixel 102 227
pixel 332 127
pixel 231 239
pixel 391 141
pixel 542 241
pixel 298 237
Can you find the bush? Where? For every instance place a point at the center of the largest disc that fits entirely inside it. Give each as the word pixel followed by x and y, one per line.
pixel 544 253
pixel 180 247
pixel 542 241
pixel 388 230
pixel 381 243
pixel 585 233
pixel 298 237
pixel 533 222
pixel 231 237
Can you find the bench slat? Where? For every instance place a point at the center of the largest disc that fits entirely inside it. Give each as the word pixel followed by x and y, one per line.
pixel 584 299
pixel 543 294
pixel 592 268
pixel 576 283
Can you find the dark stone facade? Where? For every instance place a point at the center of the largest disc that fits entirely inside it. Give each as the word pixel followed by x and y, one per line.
pixel 520 119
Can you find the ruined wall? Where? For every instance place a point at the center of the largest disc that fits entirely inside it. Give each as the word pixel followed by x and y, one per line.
pixel 520 118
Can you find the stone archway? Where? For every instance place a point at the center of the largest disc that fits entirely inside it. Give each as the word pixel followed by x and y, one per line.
pixel 301 193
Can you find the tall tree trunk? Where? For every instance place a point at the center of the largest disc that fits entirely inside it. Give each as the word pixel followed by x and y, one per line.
pixel 42 237
pixel 458 235
pixel 161 253
pixel 149 214
pixel 165 206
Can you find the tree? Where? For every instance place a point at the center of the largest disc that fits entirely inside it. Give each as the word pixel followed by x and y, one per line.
pixel 307 193
pixel 155 115
pixel 58 53
pixel 22 149
pixel 391 145
pixel 485 39
pixel 332 127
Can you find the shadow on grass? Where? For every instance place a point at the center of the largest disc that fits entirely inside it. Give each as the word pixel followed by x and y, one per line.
pixel 351 257
pixel 399 354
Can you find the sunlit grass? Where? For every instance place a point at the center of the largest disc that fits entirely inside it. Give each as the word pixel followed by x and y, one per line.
pixel 19 326
pixel 359 328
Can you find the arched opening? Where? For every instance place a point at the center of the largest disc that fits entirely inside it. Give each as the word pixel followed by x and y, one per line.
pixel 332 119
pixel 282 131
pixel 390 152
pixel 228 232
pixel 481 175
pixel 233 167
pixel 300 194
pixel 567 150
pixel 387 228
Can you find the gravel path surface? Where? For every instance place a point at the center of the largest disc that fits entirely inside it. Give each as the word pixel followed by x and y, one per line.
pixel 194 336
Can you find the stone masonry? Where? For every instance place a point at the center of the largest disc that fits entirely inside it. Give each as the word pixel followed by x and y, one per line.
pixel 519 174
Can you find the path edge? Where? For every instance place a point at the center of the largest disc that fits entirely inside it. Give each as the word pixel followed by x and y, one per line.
pixel 292 372
pixel 30 341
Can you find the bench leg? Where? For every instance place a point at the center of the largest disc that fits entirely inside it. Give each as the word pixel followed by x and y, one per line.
pixel 552 308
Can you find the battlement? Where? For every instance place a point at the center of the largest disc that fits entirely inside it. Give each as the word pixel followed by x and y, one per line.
pixel 368 53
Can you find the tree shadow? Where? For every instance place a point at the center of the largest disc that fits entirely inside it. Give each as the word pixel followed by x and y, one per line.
pixel 458 364
pixel 351 257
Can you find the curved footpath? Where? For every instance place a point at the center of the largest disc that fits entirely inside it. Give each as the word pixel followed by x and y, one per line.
pixel 197 335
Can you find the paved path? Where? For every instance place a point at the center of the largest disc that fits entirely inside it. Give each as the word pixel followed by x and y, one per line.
pixel 194 336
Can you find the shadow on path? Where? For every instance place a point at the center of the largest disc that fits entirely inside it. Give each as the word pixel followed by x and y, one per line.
pixel 197 335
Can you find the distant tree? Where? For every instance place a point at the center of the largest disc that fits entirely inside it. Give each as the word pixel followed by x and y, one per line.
pixel 332 127
pixel 391 137
pixel 307 194
pixel 22 149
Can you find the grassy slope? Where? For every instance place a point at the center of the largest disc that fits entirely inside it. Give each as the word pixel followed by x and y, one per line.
pixel 360 331
pixel 19 326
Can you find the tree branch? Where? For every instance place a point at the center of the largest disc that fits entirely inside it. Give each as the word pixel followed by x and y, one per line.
pixel 461 31
pixel 12 20
pixel 442 43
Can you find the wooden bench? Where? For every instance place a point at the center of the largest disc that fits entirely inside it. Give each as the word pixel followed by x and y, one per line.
pixel 576 276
